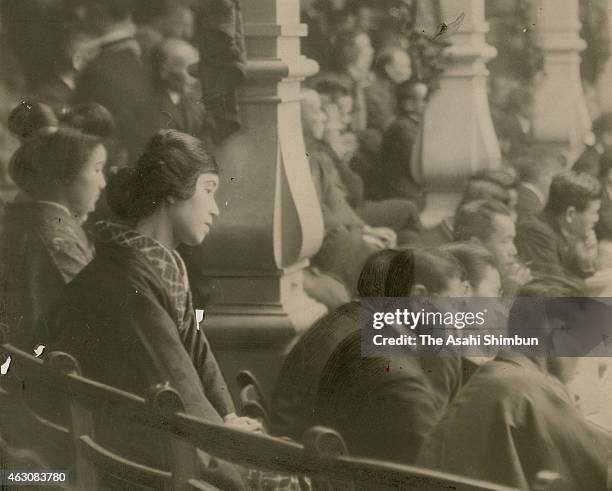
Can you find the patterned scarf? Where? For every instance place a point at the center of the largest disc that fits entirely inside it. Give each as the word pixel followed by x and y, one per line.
pixel 167 263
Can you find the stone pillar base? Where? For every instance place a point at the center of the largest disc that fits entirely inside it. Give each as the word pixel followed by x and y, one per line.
pixel 257 336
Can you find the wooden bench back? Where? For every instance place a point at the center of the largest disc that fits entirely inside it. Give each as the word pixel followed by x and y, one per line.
pixel 323 458
pixel 30 410
pixel 94 465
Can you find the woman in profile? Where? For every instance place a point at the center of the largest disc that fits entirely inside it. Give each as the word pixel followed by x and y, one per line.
pixel 128 318
pixel 59 173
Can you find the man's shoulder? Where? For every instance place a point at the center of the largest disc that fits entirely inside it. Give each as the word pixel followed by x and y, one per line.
pixel 514 384
pixel 328 331
pixel 537 224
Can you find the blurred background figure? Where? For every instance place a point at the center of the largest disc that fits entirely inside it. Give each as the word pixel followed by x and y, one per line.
pixel 117 78
pixel 159 19
pixel 590 160
pixel 536 169
pixel 392 67
pixel 399 145
pixel 176 91
pixel 512 119
pixel 562 240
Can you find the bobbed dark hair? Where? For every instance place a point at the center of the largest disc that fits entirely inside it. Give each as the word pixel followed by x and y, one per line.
pixel 400 277
pixel 372 279
pixel 50 159
pixel 169 167
pixel 29 118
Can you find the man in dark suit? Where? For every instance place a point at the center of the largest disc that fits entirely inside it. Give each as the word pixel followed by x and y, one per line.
pixel 57 87
pixel 515 417
pixel 175 90
pixel 512 122
pixel 392 67
pixel 561 240
pixel 117 78
pixel 536 170
pixel 395 177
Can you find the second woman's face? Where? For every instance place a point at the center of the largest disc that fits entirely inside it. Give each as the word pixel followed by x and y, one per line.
pixel 84 190
pixel 192 218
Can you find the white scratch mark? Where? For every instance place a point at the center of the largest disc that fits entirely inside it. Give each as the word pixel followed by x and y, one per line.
pixel 199 317
pixel 4 368
pixel 39 350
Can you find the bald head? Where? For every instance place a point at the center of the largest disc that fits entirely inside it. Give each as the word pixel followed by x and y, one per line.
pixel 171 59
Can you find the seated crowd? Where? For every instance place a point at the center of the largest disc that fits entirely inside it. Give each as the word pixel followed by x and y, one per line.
pixel 115 171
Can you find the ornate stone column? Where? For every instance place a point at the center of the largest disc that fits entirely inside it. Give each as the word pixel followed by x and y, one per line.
pixel 270 222
pixel 458 136
pixel 561 115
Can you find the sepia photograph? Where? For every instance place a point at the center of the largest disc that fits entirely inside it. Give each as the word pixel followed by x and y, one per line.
pixel 306 245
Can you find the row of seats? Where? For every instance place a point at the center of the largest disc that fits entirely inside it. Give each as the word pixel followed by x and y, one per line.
pixel 322 459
